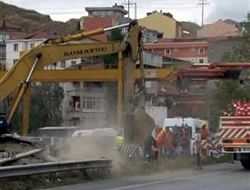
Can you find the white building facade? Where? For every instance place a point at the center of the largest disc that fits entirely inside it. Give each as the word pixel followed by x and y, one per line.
pixel 14 49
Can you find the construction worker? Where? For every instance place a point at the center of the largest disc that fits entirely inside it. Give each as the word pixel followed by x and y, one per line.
pixel 168 143
pixel 119 140
pixel 160 140
pixel 182 140
pixel 151 152
pixel 204 134
pixel 160 136
pixel 150 149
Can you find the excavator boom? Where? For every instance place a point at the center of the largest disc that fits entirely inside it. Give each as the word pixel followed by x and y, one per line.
pixel 51 54
pixel 63 48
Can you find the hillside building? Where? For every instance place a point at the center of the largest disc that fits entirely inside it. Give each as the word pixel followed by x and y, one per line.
pixel 163 23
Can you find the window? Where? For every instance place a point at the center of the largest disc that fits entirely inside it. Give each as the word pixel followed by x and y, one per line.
pixel 201 51
pixel 89 85
pixel 63 64
pixel 32 45
pixel 201 61
pixel 77 106
pixel 2 37
pixel 151 50
pixel 168 51
pixel 15 47
pixel 76 84
pixel 76 103
pixel 96 104
pixel 148 84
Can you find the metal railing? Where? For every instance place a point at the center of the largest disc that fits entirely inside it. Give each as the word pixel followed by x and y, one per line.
pixel 54 167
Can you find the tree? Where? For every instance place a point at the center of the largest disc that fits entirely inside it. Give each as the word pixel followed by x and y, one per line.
pixel 241 53
pixel 110 61
pixel 45 110
pixel 220 97
pixel 46 99
pixel 227 91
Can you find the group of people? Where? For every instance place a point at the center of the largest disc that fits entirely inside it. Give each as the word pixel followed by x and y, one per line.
pixel 165 143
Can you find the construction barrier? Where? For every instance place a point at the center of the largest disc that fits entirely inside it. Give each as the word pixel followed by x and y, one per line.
pixel 209 147
pixel 131 151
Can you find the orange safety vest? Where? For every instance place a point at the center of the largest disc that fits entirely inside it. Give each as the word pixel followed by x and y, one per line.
pixel 160 137
pixel 168 141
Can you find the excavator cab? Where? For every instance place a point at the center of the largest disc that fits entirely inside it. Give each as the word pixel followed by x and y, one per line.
pixel 4 126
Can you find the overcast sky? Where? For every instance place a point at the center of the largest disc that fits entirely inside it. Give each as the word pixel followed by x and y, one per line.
pixel 182 10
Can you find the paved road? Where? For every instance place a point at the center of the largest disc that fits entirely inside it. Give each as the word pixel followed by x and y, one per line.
pixel 215 177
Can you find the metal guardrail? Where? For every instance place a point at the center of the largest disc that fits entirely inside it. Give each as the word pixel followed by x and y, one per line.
pixel 53 167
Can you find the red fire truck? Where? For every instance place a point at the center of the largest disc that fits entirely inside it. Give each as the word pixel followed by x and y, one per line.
pixel 235 133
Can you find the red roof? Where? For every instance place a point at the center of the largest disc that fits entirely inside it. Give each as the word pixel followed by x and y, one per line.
pixel 91 23
pixel 22 35
pixel 16 35
pixel 40 35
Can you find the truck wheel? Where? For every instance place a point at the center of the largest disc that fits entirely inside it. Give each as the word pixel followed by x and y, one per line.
pixel 245 164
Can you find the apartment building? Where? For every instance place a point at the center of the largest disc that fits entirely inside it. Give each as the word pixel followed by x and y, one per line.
pixel 7 31
pixel 116 12
pixel 193 50
pixel 85 104
pixel 15 47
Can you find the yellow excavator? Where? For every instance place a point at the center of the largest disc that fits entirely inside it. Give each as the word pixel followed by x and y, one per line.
pixel 18 78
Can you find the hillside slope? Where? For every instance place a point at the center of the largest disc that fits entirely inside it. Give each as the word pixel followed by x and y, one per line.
pixel 32 21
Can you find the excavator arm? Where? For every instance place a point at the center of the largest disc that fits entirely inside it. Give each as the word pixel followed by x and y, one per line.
pixel 49 54
pixel 64 48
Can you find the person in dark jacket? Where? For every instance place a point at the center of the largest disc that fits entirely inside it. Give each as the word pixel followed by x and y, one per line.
pixel 150 149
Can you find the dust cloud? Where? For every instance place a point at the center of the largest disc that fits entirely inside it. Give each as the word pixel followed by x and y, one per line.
pixel 90 148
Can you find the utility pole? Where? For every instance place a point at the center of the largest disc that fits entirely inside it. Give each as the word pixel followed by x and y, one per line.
pixel 129 8
pixel 129 4
pixel 135 4
pixel 202 3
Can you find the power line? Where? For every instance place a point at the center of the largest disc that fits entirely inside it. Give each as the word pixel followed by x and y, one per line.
pixel 170 7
